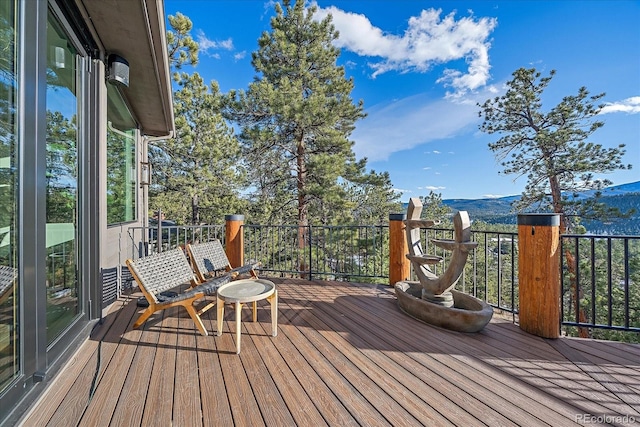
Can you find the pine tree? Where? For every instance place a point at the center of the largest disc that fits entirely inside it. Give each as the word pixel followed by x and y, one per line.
pixel 433 208
pixel 552 150
pixel 197 174
pixel 296 118
pixel 182 49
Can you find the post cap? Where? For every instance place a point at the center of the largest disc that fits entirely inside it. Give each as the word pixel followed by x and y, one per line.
pixel 234 217
pixel 540 219
pixel 397 217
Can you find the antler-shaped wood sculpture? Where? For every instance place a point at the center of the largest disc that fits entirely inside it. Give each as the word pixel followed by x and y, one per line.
pixel 435 288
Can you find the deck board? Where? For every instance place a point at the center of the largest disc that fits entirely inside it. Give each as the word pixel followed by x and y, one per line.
pixel 158 406
pixel 130 407
pixel 78 376
pixel 436 381
pixel 474 391
pixel 344 355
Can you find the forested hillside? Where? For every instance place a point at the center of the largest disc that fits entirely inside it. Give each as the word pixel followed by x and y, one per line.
pixel 499 211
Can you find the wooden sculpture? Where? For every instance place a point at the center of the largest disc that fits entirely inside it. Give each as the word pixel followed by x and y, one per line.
pixel 437 288
pixel 432 298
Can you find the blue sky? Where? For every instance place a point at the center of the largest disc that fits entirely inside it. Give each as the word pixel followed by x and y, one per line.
pixel 421 67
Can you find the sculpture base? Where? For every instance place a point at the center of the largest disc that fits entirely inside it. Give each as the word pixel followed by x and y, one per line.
pixel 468 314
pixel 445 299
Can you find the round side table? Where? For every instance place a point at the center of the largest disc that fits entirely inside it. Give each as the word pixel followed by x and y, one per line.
pixel 244 291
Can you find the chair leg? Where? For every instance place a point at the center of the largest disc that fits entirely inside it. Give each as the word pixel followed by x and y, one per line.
pixel 206 308
pixel 196 319
pixel 144 316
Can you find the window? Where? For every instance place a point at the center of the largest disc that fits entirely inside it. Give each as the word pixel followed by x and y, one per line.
pixel 62 180
pixel 121 159
pixel 9 331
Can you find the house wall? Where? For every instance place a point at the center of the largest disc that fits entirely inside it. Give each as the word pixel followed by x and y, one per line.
pixel 31 354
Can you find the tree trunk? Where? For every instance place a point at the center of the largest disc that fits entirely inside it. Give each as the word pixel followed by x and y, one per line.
pixel 195 210
pixel 303 219
pixel 572 267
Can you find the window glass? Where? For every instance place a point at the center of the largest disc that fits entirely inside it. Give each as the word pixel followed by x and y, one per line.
pixel 9 331
pixel 121 159
pixel 62 181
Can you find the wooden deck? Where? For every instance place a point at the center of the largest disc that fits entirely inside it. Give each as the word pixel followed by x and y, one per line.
pixel 344 355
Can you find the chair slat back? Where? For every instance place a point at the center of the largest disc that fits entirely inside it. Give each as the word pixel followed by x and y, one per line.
pixel 162 271
pixel 8 276
pixel 209 257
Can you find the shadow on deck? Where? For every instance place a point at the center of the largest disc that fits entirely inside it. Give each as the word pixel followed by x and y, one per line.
pixel 344 355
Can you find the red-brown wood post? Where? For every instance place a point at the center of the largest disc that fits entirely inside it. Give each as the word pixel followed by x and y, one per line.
pixel 539 274
pixel 234 240
pixel 398 262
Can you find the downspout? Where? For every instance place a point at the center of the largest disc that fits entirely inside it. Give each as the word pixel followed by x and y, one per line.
pixel 146 139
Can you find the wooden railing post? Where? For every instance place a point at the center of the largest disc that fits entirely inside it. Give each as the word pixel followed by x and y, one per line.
pixel 234 239
pixel 539 274
pixel 398 262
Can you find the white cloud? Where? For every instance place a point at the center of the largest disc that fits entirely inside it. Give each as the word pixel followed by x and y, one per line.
pixel 428 40
pixel 207 45
pixel 436 152
pixel 226 44
pixel 399 190
pixel 434 188
pixel 492 196
pixel 427 168
pixel 240 55
pixel 629 105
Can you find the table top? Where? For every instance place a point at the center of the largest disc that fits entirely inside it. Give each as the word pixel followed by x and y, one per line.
pixel 246 290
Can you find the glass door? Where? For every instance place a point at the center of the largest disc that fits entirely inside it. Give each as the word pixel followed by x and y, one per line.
pixel 62 181
pixel 9 331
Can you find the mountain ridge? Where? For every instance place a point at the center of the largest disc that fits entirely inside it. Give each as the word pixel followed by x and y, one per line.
pixel 498 210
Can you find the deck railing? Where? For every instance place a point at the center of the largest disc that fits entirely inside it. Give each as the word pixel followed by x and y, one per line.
pixel 354 253
pixel 491 272
pixel 357 253
pixel 145 241
pixel 606 275
pixel 607 270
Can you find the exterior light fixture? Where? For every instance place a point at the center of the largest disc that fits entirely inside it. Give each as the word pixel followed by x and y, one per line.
pixel 145 173
pixel 118 68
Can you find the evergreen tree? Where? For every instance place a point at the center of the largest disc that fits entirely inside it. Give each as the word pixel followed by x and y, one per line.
pixel 551 148
pixel 197 174
pixel 296 118
pixel 372 198
pixel 433 208
pixel 182 48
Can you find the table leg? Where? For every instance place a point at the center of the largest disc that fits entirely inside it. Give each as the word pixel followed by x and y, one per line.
pixel 274 313
pixel 255 311
pixel 219 315
pixel 238 326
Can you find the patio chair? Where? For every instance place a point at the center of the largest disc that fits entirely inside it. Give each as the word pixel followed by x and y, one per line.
pixel 209 259
pixel 158 273
pixel 8 277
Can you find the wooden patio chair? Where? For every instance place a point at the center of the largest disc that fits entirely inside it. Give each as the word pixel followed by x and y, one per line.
pixel 155 274
pixel 8 276
pixel 209 260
